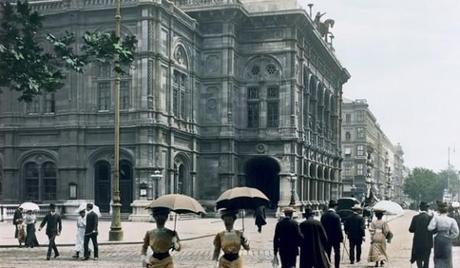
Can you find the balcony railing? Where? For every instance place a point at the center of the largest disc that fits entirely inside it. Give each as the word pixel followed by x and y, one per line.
pixel 203 3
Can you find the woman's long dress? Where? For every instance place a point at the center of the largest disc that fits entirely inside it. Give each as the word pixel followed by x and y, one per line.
pixel 378 251
pixel 230 242
pixel 80 236
pixel 31 238
pixel 160 240
pixel 446 230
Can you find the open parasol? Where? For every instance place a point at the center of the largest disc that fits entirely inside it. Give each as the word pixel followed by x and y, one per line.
pixel 83 207
pixel 390 207
pixel 242 198
pixel 29 206
pixel 179 203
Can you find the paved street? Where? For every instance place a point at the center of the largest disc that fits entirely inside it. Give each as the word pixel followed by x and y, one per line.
pixel 197 253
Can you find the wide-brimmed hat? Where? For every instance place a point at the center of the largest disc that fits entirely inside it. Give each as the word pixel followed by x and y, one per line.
pixel 160 211
pixel 228 212
pixel 356 207
pixel 379 210
pixel 289 210
pixel 308 212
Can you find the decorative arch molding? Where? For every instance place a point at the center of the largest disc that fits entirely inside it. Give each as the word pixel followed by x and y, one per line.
pixel 107 155
pixel 263 68
pixel 38 156
pixel 181 56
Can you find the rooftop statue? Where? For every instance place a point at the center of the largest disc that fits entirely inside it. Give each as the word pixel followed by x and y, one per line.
pixel 323 27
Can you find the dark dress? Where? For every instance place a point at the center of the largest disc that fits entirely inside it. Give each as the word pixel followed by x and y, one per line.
pixel 31 238
pixel 354 228
pixel 286 242
pixel 17 219
pixel 313 244
pixel 422 241
pixel 331 223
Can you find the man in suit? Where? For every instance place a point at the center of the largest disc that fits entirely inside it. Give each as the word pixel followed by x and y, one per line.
pixel 53 228
pixel 354 228
pixel 331 223
pixel 423 239
pixel 286 239
pixel 91 232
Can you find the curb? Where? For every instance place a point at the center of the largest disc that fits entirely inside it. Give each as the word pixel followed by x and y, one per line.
pixel 111 243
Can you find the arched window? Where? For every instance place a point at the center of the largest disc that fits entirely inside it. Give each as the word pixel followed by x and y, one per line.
pixel 32 181
pixel 49 181
pixel 179 95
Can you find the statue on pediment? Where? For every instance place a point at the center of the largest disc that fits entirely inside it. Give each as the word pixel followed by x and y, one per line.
pixel 323 27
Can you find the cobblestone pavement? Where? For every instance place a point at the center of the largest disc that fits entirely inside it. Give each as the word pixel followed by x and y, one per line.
pixel 197 253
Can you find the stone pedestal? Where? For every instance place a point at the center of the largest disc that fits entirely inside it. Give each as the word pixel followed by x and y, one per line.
pixel 139 211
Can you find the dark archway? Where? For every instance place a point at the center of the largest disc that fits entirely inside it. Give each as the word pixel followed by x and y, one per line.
pixel 102 185
pixel 263 173
pixel 126 186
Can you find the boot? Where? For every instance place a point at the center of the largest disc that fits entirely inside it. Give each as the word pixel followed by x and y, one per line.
pixel 77 253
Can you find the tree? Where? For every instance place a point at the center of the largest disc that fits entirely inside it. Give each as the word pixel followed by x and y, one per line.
pixel 449 180
pixel 423 185
pixel 27 67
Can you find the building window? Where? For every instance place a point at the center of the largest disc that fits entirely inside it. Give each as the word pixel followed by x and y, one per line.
pixel 164 41
pixel 103 96
pixel 348 118
pixel 50 103
pixel 360 133
pixel 272 106
pixel 49 181
pixel 72 190
pixel 360 150
pixel 253 107
pixel 32 181
pixel 347 136
pixel 347 151
pixel 360 169
pixel 179 95
pixel 124 95
pixel 360 116
pixel 33 107
pixel 347 169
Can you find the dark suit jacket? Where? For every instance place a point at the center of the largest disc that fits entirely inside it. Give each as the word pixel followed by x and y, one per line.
pixel 331 223
pixel 354 228
pixel 17 216
pixel 91 223
pixel 287 237
pixel 53 224
pixel 423 239
pixel 312 247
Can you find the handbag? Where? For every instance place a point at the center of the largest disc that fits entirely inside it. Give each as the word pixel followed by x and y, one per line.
pixel 389 236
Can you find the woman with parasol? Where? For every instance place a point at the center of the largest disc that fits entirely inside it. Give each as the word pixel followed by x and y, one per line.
pixel 160 240
pixel 80 235
pixel 29 220
pixel 230 242
pixel 380 234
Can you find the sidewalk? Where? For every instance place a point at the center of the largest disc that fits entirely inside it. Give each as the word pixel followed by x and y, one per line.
pixel 133 232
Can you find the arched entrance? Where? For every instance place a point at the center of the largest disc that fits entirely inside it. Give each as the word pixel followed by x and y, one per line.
pixel 182 177
pixel 102 191
pixel 263 173
pixel 126 186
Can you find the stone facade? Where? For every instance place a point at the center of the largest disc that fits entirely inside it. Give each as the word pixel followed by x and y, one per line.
pixel 364 140
pixel 219 96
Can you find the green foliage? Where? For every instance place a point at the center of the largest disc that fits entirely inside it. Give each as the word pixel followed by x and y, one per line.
pixel 26 67
pixel 422 184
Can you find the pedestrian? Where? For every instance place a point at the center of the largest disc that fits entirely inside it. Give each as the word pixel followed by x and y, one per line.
pixel 287 239
pixel 380 232
pixel 80 235
pixel 230 242
pixel 19 228
pixel 446 230
pixel 456 216
pixel 160 240
pixel 260 218
pixel 53 224
pixel 355 230
pixel 333 227
pixel 31 239
pixel 423 239
pixel 313 243
pixel 91 232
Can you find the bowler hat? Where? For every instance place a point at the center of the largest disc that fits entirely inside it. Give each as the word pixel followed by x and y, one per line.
pixel 332 203
pixel 308 212
pixel 424 205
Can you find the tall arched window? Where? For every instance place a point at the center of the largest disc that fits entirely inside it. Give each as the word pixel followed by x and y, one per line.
pixel 179 95
pixel 49 181
pixel 32 181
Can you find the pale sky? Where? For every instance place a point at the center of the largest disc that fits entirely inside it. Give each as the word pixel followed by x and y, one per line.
pixel 404 58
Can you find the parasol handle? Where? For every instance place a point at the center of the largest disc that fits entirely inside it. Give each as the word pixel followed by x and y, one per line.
pixel 175 221
pixel 242 218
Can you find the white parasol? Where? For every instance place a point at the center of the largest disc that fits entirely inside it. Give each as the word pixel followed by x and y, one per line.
pixel 29 206
pixel 83 207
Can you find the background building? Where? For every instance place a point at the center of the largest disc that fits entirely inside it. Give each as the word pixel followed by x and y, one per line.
pixel 369 155
pixel 222 93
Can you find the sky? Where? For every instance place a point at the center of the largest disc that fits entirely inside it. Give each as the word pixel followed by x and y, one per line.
pixel 404 58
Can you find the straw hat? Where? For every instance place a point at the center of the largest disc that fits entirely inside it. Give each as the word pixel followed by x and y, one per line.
pixel 288 210
pixel 356 207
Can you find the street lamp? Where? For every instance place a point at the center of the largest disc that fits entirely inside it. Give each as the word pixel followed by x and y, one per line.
pixel 292 179
pixel 369 165
pixel 116 233
pixel 156 176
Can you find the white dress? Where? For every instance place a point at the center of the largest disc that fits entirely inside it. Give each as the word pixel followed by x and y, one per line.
pixel 80 235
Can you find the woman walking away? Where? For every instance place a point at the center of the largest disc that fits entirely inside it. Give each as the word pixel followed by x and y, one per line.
pixel 446 230
pixel 380 232
pixel 19 229
pixel 230 241
pixel 30 220
pixel 80 235
pixel 160 240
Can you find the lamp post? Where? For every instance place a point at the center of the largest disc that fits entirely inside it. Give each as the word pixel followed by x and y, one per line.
pixel 116 232
pixel 310 6
pixel 156 176
pixel 369 166
pixel 292 179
